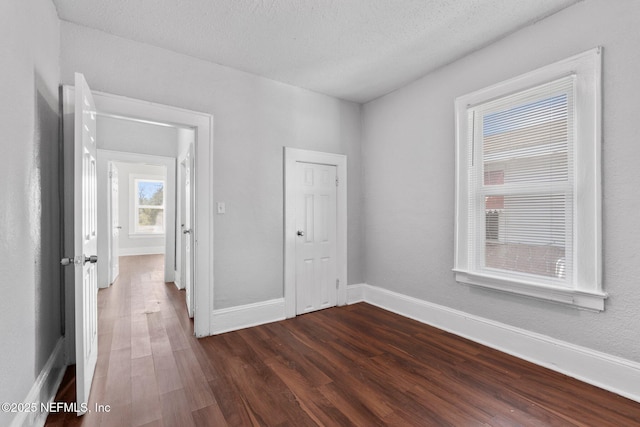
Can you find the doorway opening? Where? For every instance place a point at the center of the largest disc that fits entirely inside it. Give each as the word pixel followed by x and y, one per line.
pixel 145 200
pixel 137 211
pixel 198 129
pixel 81 107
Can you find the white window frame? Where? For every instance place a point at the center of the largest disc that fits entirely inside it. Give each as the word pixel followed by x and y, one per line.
pixel 586 290
pixel 133 211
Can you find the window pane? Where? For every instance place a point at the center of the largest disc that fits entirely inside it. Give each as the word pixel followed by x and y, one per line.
pixel 150 220
pixel 150 193
pixel 528 235
pixel 528 143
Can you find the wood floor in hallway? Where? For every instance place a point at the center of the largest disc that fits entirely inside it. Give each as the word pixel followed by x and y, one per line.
pixel 355 365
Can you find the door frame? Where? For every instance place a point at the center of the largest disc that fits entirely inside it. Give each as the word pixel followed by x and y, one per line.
pixel 203 124
pixel 291 157
pixel 104 224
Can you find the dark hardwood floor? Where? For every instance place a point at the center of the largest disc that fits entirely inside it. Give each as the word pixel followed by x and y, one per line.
pixel 355 365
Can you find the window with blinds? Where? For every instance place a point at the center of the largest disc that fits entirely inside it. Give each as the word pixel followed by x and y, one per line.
pixel 521 173
pixel 528 184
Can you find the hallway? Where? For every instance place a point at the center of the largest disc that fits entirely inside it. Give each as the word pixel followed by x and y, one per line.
pixel 148 357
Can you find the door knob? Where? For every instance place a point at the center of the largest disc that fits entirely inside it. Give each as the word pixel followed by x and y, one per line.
pixel 187 231
pixel 92 259
pixel 67 261
pixel 119 227
pixel 300 233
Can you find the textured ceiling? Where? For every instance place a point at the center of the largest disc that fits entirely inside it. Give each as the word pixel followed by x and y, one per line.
pixel 351 49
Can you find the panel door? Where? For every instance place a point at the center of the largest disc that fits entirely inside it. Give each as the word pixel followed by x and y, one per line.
pixel 188 232
pixel 316 246
pixel 114 260
pixel 85 239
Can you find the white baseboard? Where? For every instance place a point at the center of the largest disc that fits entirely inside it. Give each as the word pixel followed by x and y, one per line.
pixel 618 375
pixel 44 389
pixel 143 250
pixel 176 279
pixel 244 316
pixel 355 293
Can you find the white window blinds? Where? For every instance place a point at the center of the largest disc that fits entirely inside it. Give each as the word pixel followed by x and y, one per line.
pixel 521 181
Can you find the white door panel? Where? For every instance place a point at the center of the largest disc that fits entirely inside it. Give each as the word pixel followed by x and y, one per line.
pixel 316 244
pixel 85 239
pixel 115 223
pixel 187 231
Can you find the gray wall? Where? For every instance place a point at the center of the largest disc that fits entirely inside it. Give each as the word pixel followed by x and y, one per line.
pixel 253 119
pixel 408 162
pixel 136 137
pixel 29 212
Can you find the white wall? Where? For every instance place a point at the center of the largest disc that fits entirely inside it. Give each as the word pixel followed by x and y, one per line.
pixel 129 244
pixel 254 118
pixel 29 212
pixel 408 162
pixel 136 137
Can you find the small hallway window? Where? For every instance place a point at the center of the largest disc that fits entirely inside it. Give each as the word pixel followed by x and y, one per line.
pixel 149 206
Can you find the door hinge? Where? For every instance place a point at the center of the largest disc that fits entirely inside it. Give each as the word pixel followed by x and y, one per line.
pixel 110 174
pixel 337 283
pixel 337 181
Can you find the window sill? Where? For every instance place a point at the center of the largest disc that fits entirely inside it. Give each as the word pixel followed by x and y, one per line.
pixel 581 299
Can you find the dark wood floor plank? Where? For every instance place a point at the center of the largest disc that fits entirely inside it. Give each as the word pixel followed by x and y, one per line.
pixel 193 380
pixel 140 341
pixel 175 409
pixel 312 402
pixel 354 365
pixel 209 416
pixel 144 390
pixel 177 338
pixel 167 375
pixel 118 379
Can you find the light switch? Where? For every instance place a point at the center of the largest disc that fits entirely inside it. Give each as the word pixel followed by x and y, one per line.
pixel 221 208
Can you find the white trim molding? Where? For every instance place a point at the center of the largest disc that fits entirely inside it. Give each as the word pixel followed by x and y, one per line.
pixel 245 316
pixel 177 282
pixel 202 123
pixel 355 293
pixel 44 389
pixel 291 157
pixel 612 373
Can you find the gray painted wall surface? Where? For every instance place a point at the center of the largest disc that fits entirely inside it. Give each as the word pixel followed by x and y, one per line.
pixel 136 137
pixel 29 212
pixel 253 119
pixel 408 163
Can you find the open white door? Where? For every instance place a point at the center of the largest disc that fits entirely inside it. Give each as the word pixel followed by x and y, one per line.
pixel 85 239
pixel 187 262
pixel 114 251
